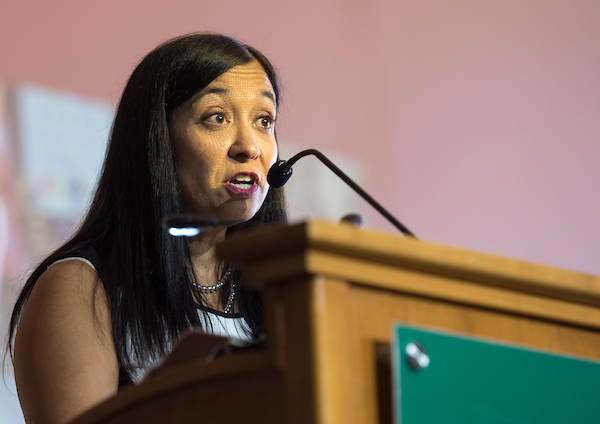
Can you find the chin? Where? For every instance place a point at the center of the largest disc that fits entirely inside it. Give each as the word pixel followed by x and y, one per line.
pixel 239 216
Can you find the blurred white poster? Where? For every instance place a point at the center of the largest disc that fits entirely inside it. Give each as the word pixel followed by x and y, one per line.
pixel 62 139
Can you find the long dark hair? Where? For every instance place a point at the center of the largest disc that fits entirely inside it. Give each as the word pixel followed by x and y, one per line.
pixel 146 273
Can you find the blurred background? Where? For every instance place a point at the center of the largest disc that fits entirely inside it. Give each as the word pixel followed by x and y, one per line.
pixel 475 122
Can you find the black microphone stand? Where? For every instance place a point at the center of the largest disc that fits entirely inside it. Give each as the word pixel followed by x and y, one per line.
pixel 284 170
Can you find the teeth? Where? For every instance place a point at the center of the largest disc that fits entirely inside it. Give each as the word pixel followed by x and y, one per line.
pixel 244 182
pixel 241 185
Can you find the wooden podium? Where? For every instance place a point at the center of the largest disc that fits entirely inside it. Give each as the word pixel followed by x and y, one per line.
pixel 331 294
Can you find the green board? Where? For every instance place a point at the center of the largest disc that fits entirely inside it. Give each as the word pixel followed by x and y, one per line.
pixel 474 381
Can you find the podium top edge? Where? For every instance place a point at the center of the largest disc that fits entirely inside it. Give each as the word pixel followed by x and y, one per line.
pixel 382 248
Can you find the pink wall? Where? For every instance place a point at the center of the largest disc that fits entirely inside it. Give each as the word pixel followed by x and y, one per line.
pixel 478 121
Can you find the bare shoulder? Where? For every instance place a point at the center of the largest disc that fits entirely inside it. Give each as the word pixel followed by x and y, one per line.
pixel 65 359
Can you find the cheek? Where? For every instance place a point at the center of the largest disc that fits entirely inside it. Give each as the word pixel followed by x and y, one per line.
pixel 271 153
pixel 193 173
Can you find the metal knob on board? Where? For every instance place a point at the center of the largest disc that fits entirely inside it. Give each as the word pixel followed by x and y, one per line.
pixel 416 356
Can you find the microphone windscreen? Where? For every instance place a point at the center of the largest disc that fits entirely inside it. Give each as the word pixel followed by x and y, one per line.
pixel 278 174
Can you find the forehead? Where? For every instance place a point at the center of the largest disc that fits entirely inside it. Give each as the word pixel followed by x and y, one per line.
pixel 249 79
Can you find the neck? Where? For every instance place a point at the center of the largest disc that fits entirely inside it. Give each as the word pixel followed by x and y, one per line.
pixel 204 258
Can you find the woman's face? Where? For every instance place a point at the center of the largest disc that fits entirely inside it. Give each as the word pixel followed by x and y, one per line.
pixel 224 144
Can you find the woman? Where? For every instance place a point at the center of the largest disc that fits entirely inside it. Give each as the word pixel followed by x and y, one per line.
pixel 194 133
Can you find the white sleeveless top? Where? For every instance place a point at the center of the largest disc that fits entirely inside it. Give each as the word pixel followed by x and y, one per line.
pixel 234 326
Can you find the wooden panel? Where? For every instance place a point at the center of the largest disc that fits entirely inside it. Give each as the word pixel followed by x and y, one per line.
pixel 314 335
pixel 431 258
pixel 453 289
pixel 550 306
pixel 245 400
pixel 209 385
pixel 375 310
pixel 336 386
pixel 293 339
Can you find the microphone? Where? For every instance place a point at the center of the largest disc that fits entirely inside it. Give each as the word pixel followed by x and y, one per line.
pixel 281 171
pixel 189 225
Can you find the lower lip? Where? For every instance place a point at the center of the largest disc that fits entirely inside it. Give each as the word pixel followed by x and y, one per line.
pixel 243 191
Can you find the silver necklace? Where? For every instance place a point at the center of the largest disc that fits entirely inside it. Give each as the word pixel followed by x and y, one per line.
pixel 216 286
pixel 230 301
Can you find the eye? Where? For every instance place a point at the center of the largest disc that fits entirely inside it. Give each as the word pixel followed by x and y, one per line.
pixel 265 122
pixel 216 118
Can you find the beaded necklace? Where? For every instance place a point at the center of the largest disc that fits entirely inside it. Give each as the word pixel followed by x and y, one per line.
pixel 219 284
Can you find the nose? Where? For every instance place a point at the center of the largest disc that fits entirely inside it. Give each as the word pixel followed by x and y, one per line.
pixel 245 146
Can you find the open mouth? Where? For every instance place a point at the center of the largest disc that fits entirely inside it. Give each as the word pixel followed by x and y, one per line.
pixel 243 182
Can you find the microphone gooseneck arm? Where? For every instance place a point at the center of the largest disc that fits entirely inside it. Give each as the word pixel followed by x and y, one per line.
pixel 281 172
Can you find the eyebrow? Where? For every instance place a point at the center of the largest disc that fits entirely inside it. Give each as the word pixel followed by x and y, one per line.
pixel 269 95
pixel 221 90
